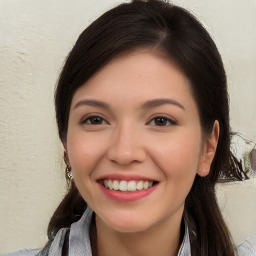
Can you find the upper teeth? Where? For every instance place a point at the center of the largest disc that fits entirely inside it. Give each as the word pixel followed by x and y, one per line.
pixel 124 185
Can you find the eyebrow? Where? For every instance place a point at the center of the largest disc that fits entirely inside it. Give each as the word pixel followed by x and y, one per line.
pixel 148 104
pixel 94 103
pixel 160 102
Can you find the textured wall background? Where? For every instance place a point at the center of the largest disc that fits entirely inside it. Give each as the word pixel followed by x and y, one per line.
pixel 35 39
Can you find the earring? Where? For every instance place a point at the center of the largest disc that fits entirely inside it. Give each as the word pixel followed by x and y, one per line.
pixel 69 172
pixel 69 175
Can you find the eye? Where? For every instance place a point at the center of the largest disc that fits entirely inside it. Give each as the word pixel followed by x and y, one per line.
pixel 162 121
pixel 93 120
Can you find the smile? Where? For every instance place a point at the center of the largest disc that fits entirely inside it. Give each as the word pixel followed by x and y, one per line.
pixel 127 190
pixel 125 186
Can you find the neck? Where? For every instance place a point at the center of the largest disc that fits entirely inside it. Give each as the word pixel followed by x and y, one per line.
pixel 161 239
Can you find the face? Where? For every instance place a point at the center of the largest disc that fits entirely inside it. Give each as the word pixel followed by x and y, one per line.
pixel 135 142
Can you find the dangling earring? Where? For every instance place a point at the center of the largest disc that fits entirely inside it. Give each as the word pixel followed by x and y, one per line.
pixel 69 175
pixel 69 172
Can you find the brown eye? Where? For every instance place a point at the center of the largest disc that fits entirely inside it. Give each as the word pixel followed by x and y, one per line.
pixel 162 121
pixel 93 120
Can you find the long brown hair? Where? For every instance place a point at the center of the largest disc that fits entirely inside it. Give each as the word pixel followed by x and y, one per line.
pixel 159 24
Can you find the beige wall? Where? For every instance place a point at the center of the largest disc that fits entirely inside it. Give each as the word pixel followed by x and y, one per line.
pixel 35 38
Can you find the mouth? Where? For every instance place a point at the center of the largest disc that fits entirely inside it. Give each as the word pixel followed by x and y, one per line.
pixel 127 185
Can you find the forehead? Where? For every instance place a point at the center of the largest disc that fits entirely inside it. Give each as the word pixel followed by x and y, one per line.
pixel 137 75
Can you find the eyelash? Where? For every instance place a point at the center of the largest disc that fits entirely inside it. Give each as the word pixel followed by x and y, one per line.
pixel 165 119
pixel 84 120
pixel 162 118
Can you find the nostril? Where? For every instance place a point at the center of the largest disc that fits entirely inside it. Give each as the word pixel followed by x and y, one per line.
pixel 125 151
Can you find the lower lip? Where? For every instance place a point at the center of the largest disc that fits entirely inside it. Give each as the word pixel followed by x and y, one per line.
pixel 127 196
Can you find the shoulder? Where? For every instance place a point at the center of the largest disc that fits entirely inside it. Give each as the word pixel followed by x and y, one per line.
pixel 25 252
pixel 53 247
pixel 248 247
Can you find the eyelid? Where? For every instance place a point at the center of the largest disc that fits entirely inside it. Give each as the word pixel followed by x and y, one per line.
pixel 164 116
pixel 91 115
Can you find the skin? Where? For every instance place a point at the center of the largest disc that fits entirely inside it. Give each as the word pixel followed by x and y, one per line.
pixel 129 139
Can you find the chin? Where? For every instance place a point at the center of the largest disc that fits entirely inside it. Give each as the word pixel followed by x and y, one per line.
pixel 128 227
pixel 125 224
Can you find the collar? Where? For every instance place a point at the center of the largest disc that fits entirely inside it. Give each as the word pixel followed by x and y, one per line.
pixel 79 240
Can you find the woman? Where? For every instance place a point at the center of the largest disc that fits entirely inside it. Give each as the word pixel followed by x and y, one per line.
pixel 142 112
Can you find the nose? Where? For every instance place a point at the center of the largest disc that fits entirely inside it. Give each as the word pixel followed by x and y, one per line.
pixel 126 148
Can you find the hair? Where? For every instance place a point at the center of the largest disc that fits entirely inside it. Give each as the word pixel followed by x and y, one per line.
pixel 182 38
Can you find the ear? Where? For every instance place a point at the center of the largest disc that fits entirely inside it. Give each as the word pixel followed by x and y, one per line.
pixel 210 146
pixel 64 143
pixel 66 158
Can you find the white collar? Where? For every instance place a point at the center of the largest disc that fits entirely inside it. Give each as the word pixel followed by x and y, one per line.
pixel 79 238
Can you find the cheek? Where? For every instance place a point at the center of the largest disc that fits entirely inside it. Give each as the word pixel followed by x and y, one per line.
pixel 84 152
pixel 178 158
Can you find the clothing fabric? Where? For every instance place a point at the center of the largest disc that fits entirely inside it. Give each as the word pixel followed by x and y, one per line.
pixel 79 242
